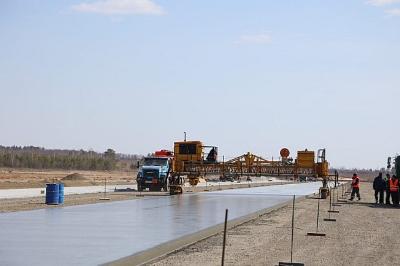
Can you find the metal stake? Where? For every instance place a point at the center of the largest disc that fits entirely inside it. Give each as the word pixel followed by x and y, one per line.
pixel 105 190
pixel 291 263
pixel 329 219
pixel 337 198
pixel 331 204
pixel 318 216
pixel 224 240
pixel 337 195
pixel 316 233
pixel 291 246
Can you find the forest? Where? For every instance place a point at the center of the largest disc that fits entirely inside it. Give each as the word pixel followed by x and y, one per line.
pixel 41 158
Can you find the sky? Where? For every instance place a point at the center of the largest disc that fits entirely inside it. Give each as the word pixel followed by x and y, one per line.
pixel 246 76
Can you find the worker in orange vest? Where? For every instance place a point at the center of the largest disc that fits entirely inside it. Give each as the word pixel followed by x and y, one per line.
pixel 355 184
pixel 394 190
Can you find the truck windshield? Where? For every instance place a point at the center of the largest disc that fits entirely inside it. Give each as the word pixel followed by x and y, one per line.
pixel 155 161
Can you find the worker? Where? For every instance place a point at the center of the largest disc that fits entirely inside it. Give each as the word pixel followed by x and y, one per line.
pixel 212 155
pixel 355 184
pixel 394 190
pixel 387 198
pixel 172 180
pixel 379 186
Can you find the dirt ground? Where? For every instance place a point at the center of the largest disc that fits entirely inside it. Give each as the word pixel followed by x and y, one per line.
pixel 28 178
pixel 362 235
pixel 24 204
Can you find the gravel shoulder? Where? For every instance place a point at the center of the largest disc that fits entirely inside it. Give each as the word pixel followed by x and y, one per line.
pixel 362 235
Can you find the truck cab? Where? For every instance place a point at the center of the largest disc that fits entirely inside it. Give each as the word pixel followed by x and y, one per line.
pixel 154 173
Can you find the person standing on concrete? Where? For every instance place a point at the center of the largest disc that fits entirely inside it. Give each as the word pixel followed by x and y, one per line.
pixel 355 184
pixel 379 186
pixel 387 198
pixel 394 190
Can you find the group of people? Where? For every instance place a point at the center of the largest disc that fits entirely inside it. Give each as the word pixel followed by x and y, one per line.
pixel 388 185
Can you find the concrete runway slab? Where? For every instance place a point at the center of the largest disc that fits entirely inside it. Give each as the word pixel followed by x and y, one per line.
pixel 101 233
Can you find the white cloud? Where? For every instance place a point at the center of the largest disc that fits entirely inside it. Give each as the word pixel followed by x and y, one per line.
pixel 393 12
pixel 262 38
pixel 390 12
pixel 120 7
pixel 382 2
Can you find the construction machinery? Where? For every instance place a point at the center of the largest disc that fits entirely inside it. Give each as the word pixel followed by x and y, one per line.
pixel 155 171
pixel 189 153
pixel 396 161
pixel 397 165
pixel 194 160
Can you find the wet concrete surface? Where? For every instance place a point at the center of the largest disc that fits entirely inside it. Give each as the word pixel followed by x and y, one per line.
pixel 101 233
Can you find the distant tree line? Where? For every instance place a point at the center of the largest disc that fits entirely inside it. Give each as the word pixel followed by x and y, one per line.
pixel 40 158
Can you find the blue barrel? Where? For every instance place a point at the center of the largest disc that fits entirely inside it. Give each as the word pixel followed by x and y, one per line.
pixel 52 194
pixel 60 193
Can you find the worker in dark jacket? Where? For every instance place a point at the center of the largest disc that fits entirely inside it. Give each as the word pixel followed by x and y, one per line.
pixel 394 190
pixel 355 184
pixel 379 186
pixel 387 198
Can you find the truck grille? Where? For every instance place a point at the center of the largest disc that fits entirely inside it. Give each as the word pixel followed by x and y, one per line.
pixel 150 174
